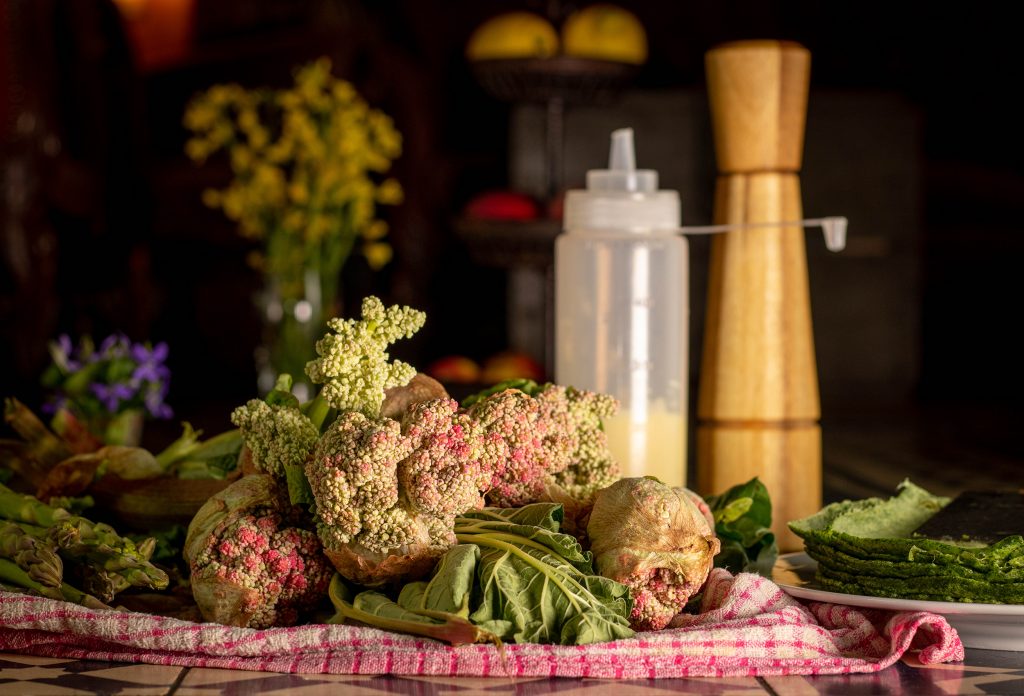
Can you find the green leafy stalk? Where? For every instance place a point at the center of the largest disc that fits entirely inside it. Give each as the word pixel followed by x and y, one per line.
pixel 377 610
pixel 527 386
pixel 180 448
pixel 536 584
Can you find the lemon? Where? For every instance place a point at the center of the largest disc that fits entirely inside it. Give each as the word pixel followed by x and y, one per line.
pixel 605 32
pixel 513 35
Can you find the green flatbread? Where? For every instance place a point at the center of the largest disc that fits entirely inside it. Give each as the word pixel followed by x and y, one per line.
pixel 870 547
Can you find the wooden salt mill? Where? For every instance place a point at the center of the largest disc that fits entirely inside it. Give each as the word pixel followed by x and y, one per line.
pixel 758 406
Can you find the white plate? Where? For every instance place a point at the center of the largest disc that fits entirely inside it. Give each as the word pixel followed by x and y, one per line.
pixel 989 626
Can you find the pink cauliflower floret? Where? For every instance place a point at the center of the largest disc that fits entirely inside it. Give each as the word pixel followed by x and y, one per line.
pixel 354 478
pixel 284 565
pixel 253 564
pixel 386 495
pixel 450 466
pixel 523 447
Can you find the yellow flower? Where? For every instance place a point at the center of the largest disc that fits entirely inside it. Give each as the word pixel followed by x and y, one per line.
pixel 378 229
pixel 306 163
pixel 212 198
pixel 197 149
pixel 298 192
pixel 241 158
pixel 390 192
pixel 377 254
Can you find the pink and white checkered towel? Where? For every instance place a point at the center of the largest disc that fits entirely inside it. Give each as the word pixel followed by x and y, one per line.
pixel 747 627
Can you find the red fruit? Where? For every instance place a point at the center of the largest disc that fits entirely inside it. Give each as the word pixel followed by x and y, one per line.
pixel 455 369
pixel 503 205
pixel 511 365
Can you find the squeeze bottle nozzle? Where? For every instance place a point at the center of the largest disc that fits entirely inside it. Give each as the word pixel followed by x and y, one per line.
pixel 622 174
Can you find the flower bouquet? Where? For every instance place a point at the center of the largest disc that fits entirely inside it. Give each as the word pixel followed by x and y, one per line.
pixel 308 166
pixel 110 389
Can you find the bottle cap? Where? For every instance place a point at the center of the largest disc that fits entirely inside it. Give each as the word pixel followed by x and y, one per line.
pixel 622 197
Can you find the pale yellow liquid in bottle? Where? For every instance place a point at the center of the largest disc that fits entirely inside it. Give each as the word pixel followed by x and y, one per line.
pixel 653 447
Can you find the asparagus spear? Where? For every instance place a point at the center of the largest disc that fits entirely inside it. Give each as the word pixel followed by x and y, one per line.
pixel 32 555
pixel 11 574
pixel 89 543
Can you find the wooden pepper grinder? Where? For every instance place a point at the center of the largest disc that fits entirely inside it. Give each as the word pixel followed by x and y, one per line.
pixel 758 406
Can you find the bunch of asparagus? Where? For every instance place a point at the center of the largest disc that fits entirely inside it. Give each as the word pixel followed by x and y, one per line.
pixel 40 542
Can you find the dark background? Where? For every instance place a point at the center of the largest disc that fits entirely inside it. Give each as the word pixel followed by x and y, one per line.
pixel 103 229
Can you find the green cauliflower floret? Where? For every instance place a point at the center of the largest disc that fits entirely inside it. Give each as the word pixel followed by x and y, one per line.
pixel 277 436
pixel 353 364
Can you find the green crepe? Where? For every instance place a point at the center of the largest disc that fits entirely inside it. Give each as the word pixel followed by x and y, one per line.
pixel 868 547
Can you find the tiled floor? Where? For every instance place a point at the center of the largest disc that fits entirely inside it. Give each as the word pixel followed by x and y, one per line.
pixel 983 672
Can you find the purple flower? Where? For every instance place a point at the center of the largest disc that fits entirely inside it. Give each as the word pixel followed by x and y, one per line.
pixel 112 396
pixel 150 363
pixel 63 354
pixel 116 345
pixel 55 404
pixel 154 400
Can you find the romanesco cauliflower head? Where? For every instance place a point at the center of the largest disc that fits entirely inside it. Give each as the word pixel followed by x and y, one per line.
pixel 253 563
pixel 352 364
pixel 277 436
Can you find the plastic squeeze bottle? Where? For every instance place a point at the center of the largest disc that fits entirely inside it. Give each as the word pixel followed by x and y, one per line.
pixel 622 310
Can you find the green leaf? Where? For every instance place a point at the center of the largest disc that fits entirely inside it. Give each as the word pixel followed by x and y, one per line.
pixel 537 585
pixel 450 588
pixel 378 610
pixel 527 386
pixel 743 520
pixel 547 516
pixel 298 486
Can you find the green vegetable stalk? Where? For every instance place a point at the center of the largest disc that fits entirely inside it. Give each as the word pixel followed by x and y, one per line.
pixel 377 610
pixel 110 562
pixel 16 576
pixel 37 558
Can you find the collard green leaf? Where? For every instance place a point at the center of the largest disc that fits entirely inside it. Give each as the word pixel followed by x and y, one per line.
pixel 380 611
pixel 450 588
pixel 538 586
pixel 547 516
